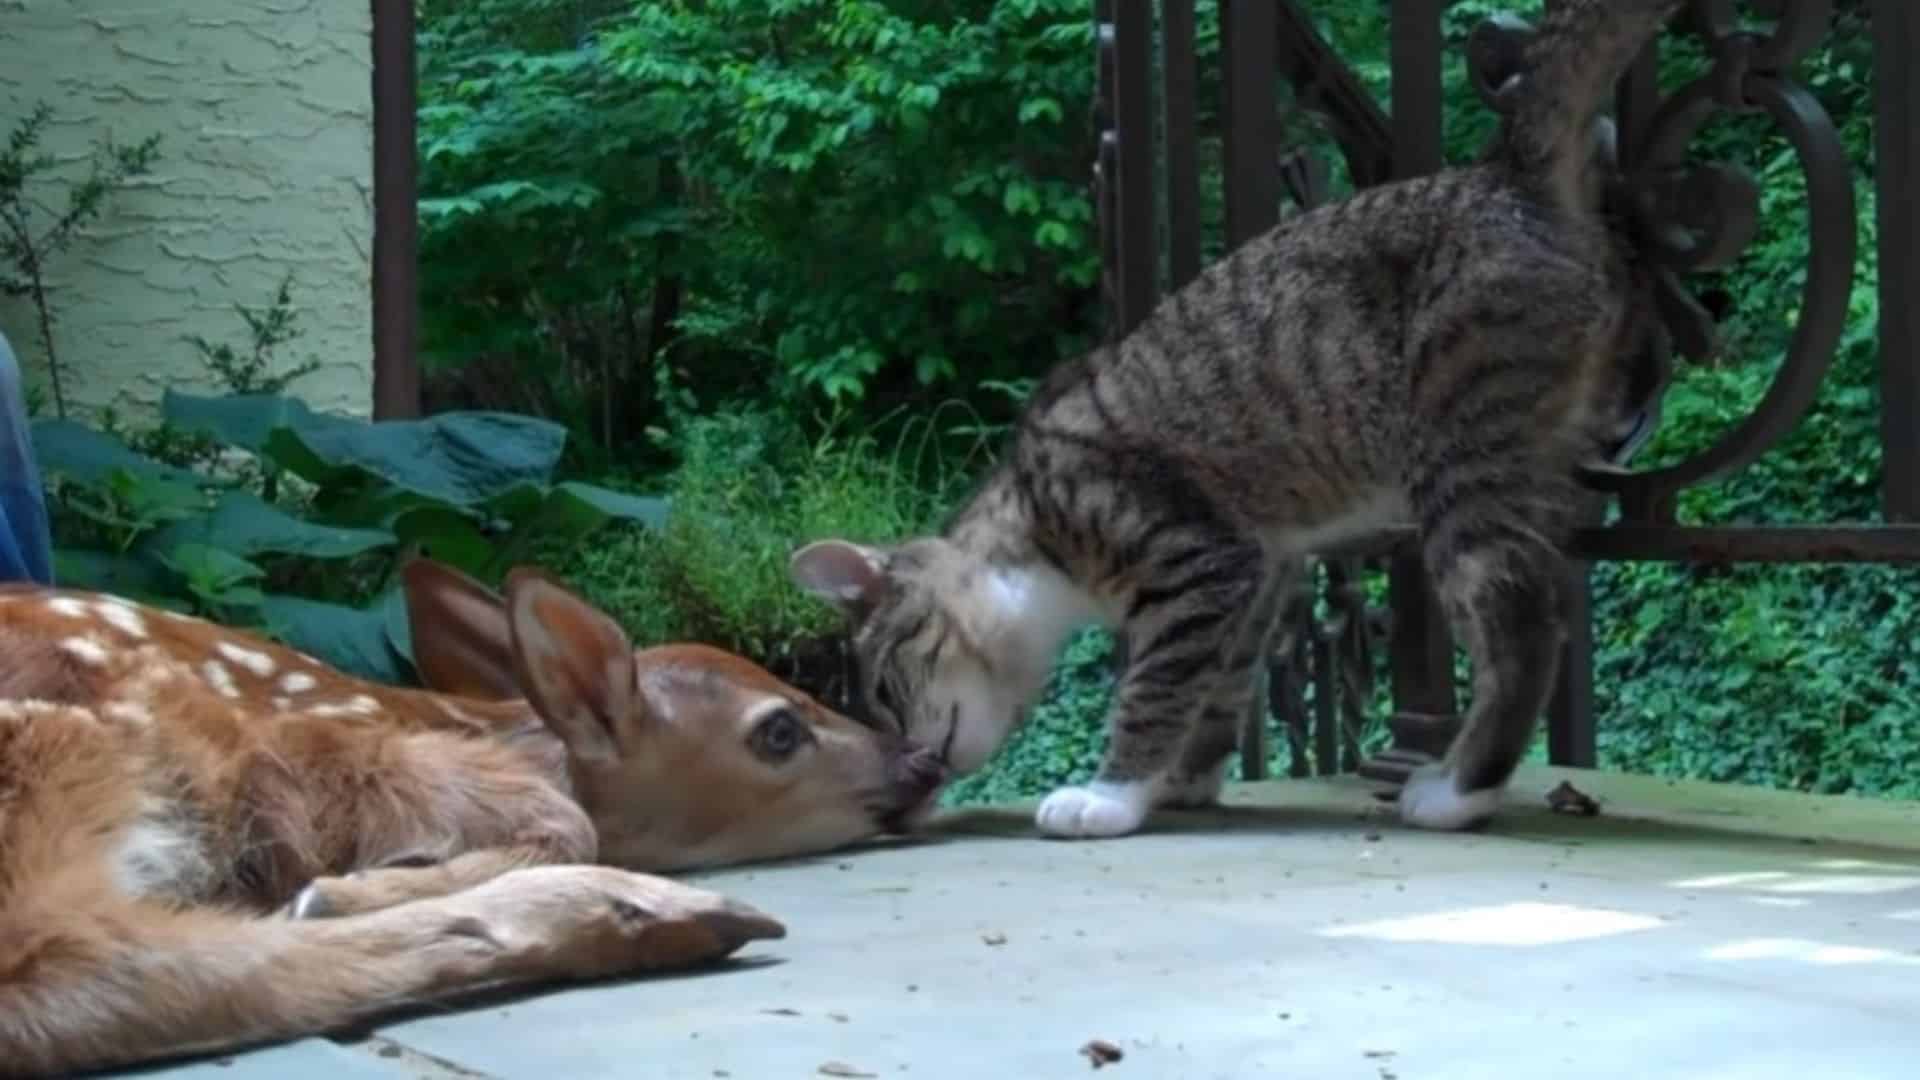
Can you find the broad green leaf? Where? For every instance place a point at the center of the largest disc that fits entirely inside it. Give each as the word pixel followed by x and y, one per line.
pixel 462 458
pixel 243 420
pixel 648 510
pixel 398 623
pixel 245 524
pixel 135 577
pixel 446 535
pixel 570 512
pixel 151 500
pixel 210 568
pixel 88 456
pixel 352 639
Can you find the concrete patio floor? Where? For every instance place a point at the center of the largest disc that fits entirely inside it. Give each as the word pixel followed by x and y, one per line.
pixel 1687 931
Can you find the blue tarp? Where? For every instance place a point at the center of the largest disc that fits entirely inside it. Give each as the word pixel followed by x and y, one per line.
pixel 26 550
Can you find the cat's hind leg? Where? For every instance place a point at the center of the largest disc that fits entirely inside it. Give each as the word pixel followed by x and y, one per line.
pixel 1501 578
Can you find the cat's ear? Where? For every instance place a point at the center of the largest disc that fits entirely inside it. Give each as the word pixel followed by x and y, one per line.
pixel 840 572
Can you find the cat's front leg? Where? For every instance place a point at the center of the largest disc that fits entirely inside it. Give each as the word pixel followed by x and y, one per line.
pixel 1202 771
pixel 1184 632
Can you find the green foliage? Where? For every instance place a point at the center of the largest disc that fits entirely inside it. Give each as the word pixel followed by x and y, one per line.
pixel 258 371
pixel 752 482
pixel 29 239
pixel 304 545
pixel 1063 738
pixel 799 202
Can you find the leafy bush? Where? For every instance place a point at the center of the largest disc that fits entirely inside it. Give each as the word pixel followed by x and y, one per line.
pixel 807 201
pixel 301 537
pixel 751 486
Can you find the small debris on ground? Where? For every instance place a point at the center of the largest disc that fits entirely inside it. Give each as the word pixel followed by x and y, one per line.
pixel 1101 1052
pixel 781 1012
pixel 1378 1053
pixel 841 1068
pixel 995 938
pixel 838 1017
pixel 1567 799
pixel 1373 838
pixel 388 1051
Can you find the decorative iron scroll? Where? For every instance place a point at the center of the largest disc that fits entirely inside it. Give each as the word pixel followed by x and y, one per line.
pixel 1334 658
pixel 1687 217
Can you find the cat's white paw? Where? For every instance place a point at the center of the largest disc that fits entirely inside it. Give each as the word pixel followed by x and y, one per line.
pixel 1429 801
pixel 1095 810
pixel 1192 792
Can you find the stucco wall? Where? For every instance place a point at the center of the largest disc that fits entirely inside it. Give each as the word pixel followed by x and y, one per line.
pixel 265 112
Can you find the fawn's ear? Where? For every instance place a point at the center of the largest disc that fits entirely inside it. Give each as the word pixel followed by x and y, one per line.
pixel 840 572
pixel 575 665
pixel 461 642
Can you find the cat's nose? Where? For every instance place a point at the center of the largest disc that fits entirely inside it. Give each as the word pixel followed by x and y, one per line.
pixel 924 768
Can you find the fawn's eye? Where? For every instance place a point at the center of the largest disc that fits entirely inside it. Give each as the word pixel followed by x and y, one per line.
pixel 778 735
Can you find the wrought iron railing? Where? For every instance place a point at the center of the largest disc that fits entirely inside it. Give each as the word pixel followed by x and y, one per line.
pixel 1688 217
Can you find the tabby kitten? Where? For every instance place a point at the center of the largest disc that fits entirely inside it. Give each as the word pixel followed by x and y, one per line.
pixel 1444 350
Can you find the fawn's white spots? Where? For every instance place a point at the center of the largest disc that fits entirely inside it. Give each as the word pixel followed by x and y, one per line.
pixel 154 673
pixel 281 704
pixel 455 711
pixel 255 661
pixel 130 713
pixel 27 708
pixel 122 618
pixel 219 678
pixel 68 606
pixel 357 705
pixel 296 682
pixel 88 650
pixel 177 616
pixel 32 709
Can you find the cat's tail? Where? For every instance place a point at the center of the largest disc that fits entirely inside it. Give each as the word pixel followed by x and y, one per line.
pixel 1569 69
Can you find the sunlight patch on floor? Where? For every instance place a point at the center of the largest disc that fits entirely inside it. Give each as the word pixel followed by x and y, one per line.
pixel 1727 881
pixel 1864 864
pixel 1827 884
pixel 1524 924
pixel 1810 952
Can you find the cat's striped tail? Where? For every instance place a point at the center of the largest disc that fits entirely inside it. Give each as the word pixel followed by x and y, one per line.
pixel 1580 50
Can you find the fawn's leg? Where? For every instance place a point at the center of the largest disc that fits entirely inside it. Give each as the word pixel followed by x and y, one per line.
pixel 454 812
pixel 119 981
pixel 408 878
